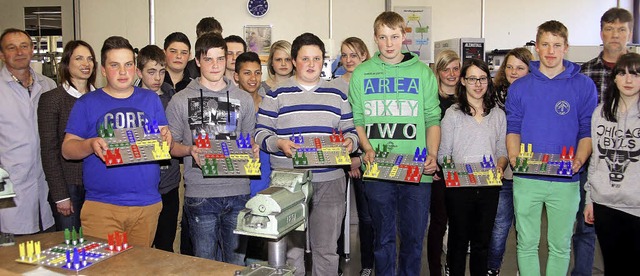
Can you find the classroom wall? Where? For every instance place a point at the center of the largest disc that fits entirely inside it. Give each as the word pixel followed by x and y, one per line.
pixel 507 24
pixel 12 14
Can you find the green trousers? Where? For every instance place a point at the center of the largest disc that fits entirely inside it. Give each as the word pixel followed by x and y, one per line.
pixel 561 200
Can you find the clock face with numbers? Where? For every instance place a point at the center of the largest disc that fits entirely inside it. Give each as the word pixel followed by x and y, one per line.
pixel 258 8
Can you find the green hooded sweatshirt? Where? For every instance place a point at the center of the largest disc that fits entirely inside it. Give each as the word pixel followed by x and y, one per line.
pixel 395 103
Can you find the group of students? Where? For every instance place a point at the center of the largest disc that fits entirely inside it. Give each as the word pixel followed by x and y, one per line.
pixel 390 98
pixel 552 103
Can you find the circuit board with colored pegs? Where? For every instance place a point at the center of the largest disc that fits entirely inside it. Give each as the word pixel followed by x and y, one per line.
pixel 133 145
pixel 481 174
pixel 320 151
pixel 75 253
pixel 396 167
pixel 227 157
pixel 547 164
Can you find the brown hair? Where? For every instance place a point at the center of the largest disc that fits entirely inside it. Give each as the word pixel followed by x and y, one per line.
pixel 461 91
pixel 151 53
pixel 556 28
pixel 613 14
pixel 521 53
pixel 208 25
pixel 11 31
pixel 390 19
pixel 114 43
pixel 65 75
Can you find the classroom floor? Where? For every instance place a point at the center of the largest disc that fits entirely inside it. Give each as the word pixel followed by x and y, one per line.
pixel 509 267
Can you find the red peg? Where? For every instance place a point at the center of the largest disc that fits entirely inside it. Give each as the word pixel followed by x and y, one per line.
pixel 118 241
pixel 111 242
pixel 571 152
pixel 545 158
pixel 125 242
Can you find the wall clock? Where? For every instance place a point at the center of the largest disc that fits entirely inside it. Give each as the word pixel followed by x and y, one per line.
pixel 258 8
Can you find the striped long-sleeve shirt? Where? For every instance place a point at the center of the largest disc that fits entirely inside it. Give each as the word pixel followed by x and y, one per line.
pixel 292 109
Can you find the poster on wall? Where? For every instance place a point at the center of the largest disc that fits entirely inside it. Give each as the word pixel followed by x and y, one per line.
pixel 258 38
pixel 418 30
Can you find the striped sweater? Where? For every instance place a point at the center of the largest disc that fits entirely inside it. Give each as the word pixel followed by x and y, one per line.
pixel 293 109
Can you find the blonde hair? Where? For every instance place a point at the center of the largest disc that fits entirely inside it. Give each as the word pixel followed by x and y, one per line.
pixel 442 60
pixel 281 45
pixel 357 45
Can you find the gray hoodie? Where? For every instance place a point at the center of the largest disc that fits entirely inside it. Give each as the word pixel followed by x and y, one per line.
pixel 223 114
pixel 614 169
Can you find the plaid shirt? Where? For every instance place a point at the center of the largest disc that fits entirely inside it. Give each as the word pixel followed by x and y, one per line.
pixel 598 72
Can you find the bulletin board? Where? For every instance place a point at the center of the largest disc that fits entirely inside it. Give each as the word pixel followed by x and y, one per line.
pixel 418 41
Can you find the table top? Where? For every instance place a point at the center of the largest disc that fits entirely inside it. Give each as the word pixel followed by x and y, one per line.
pixel 137 260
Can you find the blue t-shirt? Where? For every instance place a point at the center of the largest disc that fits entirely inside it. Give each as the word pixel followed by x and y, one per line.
pixel 127 185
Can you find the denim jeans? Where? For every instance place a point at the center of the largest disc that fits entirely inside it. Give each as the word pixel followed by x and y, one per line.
pixel 584 238
pixel 76 195
pixel 404 207
pixel 186 246
pixel 211 225
pixel 501 226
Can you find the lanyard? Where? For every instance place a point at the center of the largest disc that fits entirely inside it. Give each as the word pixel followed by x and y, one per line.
pixel 28 87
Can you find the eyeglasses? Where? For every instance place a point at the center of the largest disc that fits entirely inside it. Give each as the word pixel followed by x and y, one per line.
pixel 473 80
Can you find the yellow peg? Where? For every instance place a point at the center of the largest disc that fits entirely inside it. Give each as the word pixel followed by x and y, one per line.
pixel 37 249
pixel 374 170
pixel 22 253
pixel 30 250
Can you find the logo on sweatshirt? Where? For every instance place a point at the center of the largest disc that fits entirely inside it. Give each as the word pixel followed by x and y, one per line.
pixel 391 107
pixel 391 85
pixel 391 131
pixel 563 107
pixel 124 118
pixel 618 147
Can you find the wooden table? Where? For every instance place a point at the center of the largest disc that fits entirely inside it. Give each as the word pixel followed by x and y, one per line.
pixel 136 261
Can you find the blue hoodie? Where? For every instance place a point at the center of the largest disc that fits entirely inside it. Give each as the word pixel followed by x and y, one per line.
pixel 551 113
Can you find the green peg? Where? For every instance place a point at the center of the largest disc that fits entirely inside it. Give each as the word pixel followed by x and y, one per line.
pixel 67 236
pixel 110 132
pixel 74 236
pixel 101 130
